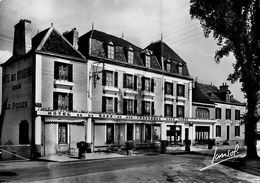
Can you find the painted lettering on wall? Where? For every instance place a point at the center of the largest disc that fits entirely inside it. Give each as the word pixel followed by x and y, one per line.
pixel 17 105
pixel 16 87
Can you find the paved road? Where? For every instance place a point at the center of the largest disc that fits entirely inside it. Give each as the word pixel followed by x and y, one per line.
pixel 155 168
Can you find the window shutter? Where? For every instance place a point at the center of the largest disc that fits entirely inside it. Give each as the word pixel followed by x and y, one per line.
pixel 115 104
pixel 143 108
pixel 165 88
pixel 116 80
pixel 55 101
pixel 124 106
pixel 56 70
pixel 152 85
pixel 103 104
pixel 135 106
pixel 152 108
pixel 70 74
pixel 124 80
pixel 70 102
pixel 143 83
pixel 172 89
pixel 186 91
pixel 103 78
pixel 135 82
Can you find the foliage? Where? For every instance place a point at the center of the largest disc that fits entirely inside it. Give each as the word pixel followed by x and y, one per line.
pixel 235 24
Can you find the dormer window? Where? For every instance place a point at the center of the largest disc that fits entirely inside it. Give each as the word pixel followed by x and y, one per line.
pixel 130 56
pixel 148 61
pixel 180 68
pixel 168 66
pixel 110 50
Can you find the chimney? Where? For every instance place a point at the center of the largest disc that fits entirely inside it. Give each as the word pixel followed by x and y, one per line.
pixel 224 87
pixel 72 37
pixel 22 37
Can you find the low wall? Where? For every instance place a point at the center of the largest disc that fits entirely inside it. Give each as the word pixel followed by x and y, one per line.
pixel 15 152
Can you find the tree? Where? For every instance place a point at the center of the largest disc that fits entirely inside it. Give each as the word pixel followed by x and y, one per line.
pixel 235 26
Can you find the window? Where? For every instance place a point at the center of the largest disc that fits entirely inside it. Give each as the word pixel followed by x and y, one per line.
pixel 147 108
pixel 237 114
pixel 168 66
pixel 110 133
pixel 237 131
pixel 128 106
pixel 109 78
pixel 110 51
pixel 62 101
pixel 107 104
pixel 168 88
pixel 174 133
pixel 13 77
pixel 62 133
pixel 180 111
pixel 202 113
pixel 130 57
pixel 147 61
pixel 24 132
pixel 168 110
pixel 180 90
pixel 156 132
pixel 63 71
pixel 218 113
pixel 218 131
pixel 147 84
pixel 228 114
pixel 180 68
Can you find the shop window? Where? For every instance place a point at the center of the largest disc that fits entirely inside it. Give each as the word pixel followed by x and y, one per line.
pixel 62 133
pixel 129 134
pixel 110 51
pixel 237 131
pixel 218 113
pixel 147 84
pixel 180 111
pixel 202 134
pixel 24 132
pixel 202 113
pixel 63 71
pixel 130 57
pixel 218 131
pixel 168 110
pixel 107 104
pixel 156 133
pixel 180 90
pixel 168 88
pixel 148 132
pixel 174 134
pixel 110 133
pixel 237 114
pixel 228 114
pixel 63 101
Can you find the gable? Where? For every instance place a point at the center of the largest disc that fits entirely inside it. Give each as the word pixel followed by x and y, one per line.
pixel 56 44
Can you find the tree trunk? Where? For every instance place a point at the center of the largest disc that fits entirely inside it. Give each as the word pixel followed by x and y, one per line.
pixel 250 127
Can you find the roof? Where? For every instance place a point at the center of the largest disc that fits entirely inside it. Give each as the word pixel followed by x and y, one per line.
pixel 215 94
pixel 161 49
pixel 99 40
pixel 200 97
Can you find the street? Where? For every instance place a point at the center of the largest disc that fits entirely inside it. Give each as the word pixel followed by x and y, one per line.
pixel 152 168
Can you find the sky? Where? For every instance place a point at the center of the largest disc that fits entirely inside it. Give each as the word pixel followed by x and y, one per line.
pixel 138 21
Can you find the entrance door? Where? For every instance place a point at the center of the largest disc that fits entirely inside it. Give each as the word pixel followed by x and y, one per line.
pixel 228 132
pixel 186 133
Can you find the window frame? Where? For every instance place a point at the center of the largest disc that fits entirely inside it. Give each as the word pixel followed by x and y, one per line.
pixel 67 76
pixel 148 61
pixel 170 114
pixel 237 131
pixel 110 51
pixel 179 92
pixel 130 56
pixel 218 111
pixel 228 114
pixel 205 113
pixel 56 102
pixel 170 91
pixel 237 114
pixel 218 130
pixel 182 109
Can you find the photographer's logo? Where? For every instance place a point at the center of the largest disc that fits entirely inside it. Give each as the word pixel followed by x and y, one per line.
pixel 224 155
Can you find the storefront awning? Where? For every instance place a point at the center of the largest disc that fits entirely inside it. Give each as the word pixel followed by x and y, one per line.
pixel 64 120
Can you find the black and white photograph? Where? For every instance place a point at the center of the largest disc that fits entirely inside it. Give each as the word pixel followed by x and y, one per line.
pixel 130 91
